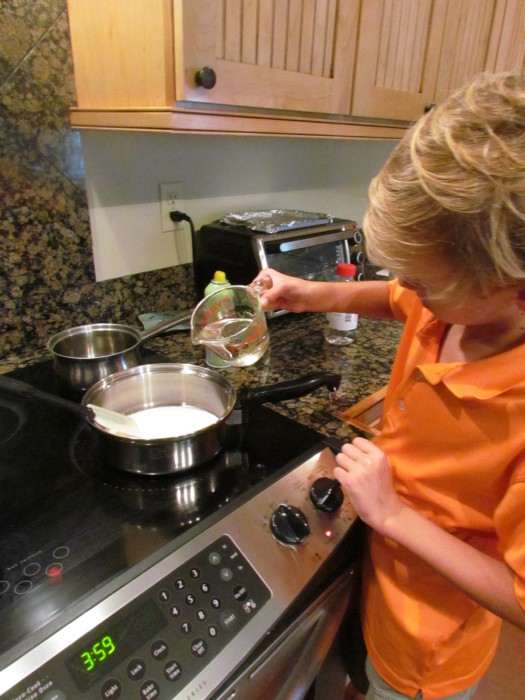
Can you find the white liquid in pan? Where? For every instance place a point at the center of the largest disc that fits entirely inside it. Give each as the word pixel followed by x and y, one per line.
pixel 171 421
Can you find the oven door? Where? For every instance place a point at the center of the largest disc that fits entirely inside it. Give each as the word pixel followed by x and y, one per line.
pixel 311 258
pixel 303 656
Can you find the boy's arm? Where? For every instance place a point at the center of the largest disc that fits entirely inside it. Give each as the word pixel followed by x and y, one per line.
pixel 365 474
pixel 294 294
pixel 486 580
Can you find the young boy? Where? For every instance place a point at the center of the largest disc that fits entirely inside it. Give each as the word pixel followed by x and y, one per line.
pixel 443 487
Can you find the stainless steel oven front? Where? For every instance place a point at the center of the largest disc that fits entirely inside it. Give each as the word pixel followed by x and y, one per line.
pixel 212 584
pixel 224 615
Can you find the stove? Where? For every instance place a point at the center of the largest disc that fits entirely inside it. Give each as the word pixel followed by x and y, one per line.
pixel 120 585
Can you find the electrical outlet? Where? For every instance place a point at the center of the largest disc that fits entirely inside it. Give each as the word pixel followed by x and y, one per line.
pixel 170 196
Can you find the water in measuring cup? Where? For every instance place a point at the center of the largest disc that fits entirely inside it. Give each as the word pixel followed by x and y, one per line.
pixel 240 341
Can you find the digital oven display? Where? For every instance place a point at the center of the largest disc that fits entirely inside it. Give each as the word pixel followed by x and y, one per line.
pixel 110 645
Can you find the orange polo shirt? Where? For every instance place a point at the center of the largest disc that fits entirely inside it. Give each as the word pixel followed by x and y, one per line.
pixel 455 435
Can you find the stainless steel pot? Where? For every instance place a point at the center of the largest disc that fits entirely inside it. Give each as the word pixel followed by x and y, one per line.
pixel 155 385
pixel 85 354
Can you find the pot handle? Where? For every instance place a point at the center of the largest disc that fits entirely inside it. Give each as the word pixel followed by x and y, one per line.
pixel 179 317
pixel 22 389
pixel 291 389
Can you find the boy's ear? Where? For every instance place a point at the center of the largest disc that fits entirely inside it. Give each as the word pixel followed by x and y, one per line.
pixel 520 298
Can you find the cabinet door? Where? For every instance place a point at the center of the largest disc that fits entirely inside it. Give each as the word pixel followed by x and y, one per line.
pixel 414 52
pixel 464 51
pixel 122 53
pixel 397 57
pixel 278 54
pixel 507 46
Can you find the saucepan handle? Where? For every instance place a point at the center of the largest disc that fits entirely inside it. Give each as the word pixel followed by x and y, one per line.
pixel 290 389
pixel 22 389
pixel 168 324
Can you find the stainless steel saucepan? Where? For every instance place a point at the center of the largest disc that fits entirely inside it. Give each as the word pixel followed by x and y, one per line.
pixel 85 354
pixel 190 387
pixel 194 389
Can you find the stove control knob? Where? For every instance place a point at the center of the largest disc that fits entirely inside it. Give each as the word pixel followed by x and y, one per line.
pixel 289 524
pixel 327 495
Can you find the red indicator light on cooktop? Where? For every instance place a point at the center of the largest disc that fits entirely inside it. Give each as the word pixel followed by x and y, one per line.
pixel 54 570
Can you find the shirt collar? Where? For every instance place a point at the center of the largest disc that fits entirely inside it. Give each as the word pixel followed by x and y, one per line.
pixel 481 379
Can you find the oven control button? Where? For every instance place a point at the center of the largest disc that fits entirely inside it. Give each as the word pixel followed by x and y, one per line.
pixel 327 495
pixel 229 620
pixel 226 574
pixel 23 587
pixel 136 669
pixel 172 671
pixel 175 611
pixel 32 569
pixel 164 595
pixel 150 690
pixel 159 649
pixel 111 689
pixel 289 524
pixel 240 593
pixel 199 647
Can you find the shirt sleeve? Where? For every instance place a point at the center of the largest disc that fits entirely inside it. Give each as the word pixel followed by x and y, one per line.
pixel 401 300
pixel 509 520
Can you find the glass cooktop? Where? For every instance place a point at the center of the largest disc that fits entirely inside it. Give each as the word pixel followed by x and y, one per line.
pixel 70 523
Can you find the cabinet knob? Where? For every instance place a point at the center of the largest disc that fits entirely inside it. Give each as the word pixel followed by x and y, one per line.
pixel 429 107
pixel 206 77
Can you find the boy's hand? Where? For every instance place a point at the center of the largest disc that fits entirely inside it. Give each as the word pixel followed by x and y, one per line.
pixel 281 291
pixel 365 473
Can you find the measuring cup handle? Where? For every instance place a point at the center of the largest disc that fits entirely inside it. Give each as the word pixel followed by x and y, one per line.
pixel 260 285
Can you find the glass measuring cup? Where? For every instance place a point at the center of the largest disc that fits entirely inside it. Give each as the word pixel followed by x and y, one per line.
pixel 232 323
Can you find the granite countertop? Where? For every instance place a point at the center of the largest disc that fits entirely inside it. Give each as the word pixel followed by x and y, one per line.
pixel 297 347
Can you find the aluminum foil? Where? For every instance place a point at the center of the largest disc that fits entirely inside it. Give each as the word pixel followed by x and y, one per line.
pixel 276 220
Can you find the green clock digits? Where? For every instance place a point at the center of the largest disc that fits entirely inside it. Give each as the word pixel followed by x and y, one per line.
pixel 98 653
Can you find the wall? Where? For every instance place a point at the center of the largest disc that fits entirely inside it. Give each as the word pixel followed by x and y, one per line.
pixel 48 280
pixel 219 175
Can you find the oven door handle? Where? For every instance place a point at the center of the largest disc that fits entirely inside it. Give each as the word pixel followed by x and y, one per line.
pixel 287 246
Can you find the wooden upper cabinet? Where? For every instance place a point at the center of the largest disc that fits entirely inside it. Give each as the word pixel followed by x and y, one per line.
pixel 507 41
pixel 396 59
pixel 123 53
pixel 480 35
pixel 414 52
pixel 356 68
pixel 278 54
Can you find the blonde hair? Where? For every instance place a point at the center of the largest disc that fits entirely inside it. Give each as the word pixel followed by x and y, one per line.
pixel 453 190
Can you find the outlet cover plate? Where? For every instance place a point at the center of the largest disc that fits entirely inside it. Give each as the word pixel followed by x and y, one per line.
pixel 170 197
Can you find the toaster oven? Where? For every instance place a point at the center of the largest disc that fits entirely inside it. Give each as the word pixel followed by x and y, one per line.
pixel 310 253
